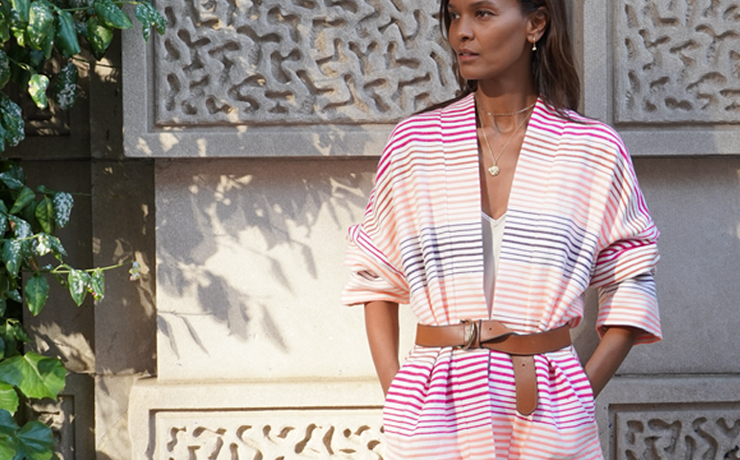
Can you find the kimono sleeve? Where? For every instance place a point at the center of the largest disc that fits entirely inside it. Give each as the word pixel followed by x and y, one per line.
pixel 373 256
pixel 625 267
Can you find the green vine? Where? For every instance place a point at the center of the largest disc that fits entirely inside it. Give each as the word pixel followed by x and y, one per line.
pixel 34 33
pixel 40 43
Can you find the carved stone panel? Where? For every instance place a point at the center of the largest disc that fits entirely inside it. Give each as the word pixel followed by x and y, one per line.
pixel 677 61
pixel 268 435
pixel 687 432
pixel 268 62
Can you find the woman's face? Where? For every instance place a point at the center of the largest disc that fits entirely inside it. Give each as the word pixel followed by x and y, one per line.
pixel 490 39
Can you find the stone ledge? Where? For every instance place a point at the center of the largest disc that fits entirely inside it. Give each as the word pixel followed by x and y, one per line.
pixel 638 414
pixel 157 408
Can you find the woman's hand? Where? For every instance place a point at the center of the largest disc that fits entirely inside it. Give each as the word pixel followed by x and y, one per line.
pixel 615 344
pixel 381 323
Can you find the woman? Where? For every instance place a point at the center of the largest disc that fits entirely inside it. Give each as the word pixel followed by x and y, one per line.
pixel 492 215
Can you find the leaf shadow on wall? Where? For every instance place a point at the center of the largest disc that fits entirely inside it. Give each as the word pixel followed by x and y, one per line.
pixel 275 204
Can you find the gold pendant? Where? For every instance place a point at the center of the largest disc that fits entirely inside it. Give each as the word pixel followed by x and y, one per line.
pixel 494 170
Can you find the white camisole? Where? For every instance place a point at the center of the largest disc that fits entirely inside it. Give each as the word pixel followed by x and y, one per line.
pixel 493 233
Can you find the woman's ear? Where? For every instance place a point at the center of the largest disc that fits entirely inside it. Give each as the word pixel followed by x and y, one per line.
pixel 538 21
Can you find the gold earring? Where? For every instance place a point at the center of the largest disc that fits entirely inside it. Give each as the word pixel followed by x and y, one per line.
pixel 534 46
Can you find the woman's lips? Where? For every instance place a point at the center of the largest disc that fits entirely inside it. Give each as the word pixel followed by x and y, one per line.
pixel 465 56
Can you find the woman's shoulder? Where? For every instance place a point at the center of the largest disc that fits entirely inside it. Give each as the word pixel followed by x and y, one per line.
pixel 579 124
pixel 455 109
pixel 583 130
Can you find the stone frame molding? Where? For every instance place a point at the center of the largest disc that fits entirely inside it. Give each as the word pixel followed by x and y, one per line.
pixel 645 133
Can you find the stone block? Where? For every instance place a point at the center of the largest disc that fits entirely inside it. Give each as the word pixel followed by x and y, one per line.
pixel 62 328
pixel 123 231
pixel 250 269
pixel 319 420
pixel 282 79
pixel 687 417
pixel 69 418
pixel 664 73
pixel 111 424
pixel 697 275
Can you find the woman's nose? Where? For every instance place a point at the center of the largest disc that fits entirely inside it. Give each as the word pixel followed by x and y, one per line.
pixel 463 31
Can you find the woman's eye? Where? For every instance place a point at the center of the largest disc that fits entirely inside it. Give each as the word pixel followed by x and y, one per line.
pixel 453 15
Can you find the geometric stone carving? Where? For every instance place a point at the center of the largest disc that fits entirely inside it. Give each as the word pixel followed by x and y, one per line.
pixel 687 432
pixel 677 61
pixel 270 62
pixel 268 435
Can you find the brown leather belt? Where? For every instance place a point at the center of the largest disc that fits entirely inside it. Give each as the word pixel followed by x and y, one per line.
pixel 494 335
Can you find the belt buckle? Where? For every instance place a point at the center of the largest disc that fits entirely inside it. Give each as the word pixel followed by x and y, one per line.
pixel 471 338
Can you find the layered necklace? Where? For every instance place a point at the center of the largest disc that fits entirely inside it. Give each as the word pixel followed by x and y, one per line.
pixel 495 170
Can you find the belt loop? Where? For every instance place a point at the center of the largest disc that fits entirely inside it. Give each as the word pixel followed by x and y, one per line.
pixel 479 330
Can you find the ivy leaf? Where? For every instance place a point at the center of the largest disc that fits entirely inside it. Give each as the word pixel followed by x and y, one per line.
pixel 8 398
pixel 11 181
pixel 97 284
pixel 35 441
pixel 43 245
pixel 21 7
pixel 3 223
pixel 22 228
pixel 14 295
pixel 11 255
pixel 35 375
pixel 66 35
pixel 8 428
pixel 36 293
pixel 99 37
pixel 65 88
pixel 24 197
pixel 12 120
pixel 37 89
pixel 57 248
pixel 4 68
pixel 45 215
pixel 3 135
pixel 19 333
pixel 111 15
pixel 79 282
pixel 4 26
pixel 62 203
pixel 45 190
pixel 18 26
pixel 40 24
pixel 150 17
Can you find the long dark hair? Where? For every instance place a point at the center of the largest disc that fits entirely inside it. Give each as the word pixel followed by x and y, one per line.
pixel 555 75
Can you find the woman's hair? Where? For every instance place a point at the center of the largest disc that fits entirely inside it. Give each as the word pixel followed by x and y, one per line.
pixel 555 75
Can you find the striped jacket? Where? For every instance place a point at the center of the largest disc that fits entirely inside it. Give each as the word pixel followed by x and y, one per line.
pixel 576 218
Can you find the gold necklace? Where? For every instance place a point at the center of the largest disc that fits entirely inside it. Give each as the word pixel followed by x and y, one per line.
pixel 509 114
pixel 495 170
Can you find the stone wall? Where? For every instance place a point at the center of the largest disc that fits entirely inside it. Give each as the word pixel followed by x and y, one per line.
pixel 250 136
pixel 252 340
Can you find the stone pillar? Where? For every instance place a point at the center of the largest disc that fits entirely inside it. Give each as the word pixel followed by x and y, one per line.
pixel 665 75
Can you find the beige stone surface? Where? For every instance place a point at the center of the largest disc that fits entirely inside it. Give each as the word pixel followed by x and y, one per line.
pixel 163 416
pixel 112 431
pixel 696 204
pixel 687 417
pixel 249 269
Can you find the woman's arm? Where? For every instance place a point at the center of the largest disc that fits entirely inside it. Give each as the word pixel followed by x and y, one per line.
pixel 381 323
pixel 615 344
